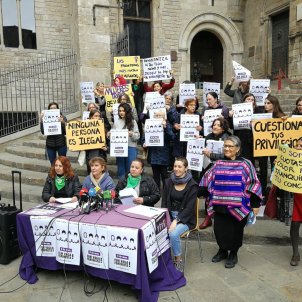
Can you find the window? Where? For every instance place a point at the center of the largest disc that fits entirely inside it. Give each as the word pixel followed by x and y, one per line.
pixel 19 14
pixel 137 16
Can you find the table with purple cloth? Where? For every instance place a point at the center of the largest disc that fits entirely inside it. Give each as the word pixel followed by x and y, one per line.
pixel 164 278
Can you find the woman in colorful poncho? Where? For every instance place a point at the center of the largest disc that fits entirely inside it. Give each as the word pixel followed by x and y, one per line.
pixel 235 195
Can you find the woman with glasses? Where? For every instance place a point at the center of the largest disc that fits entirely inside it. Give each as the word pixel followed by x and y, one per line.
pixel 235 196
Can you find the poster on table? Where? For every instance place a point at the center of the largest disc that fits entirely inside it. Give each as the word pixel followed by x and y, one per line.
pixel 186 91
pixel 242 74
pixel 123 249
pixel 157 107
pixel 94 242
pixel 85 135
pixel 157 68
pixel 154 133
pixel 152 97
pixel 188 123
pixel 87 92
pixel 149 233
pixel 162 236
pixel 119 142
pixel 287 171
pixel 209 116
pixel 259 88
pixel 44 230
pixel 85 115
pixel 210 87
pixel 112 94
pixel 128 67
pixel 194 154
pixel 242 115
pixel 68 246
pixel 51 122
pixel 269 134
pixel 215 146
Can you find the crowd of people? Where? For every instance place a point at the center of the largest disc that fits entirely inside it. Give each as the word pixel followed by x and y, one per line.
pixel 232 189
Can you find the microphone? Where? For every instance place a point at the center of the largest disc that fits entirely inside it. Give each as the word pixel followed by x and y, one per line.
pixel 107 198
pixel 83 196
pixel 113 196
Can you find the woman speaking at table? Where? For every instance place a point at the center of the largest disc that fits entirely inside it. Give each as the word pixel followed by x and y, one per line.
pixel 61 182
pixel 235 194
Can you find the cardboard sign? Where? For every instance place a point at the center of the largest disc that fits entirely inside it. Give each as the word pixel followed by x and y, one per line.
pixel 188 124
pixel 128 67
pixel 157 68
pixel 259 89
pixel 194 154
pixel 242 115
pixel 85 135
pixel 87 92
pixel 210 87
pixel 112 94
pixel 51 123
pixel 119 142
pixel 186 91
pixel 242 74
pixel 154 132
pixel 269 134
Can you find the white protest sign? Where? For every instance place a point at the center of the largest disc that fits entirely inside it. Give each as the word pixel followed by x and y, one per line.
pixel 115 112
pixel 188 123
pixel 157 68
pixel 154 132
pixel 242 115
pixel 194 154
pixel 119 142
pixel 186 91
pixel 242 74
pixel 209 116
pixel 210 87
pixel 215 146
pixel 51 122
pixel 261 116
pixel 259 88
pixel 151 97
pixel 85 115
pixel 157 107
pixel 87 92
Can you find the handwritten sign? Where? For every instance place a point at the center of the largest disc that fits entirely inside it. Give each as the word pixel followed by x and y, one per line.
pixel 157 68
pixel 269 134
pixel 85 135
pixel 259 89
pixel 154 132
pixel 241 73
pixel 210 87
pixel 242 115
pixel 128 67
pixel 186 91
pixel 87 92
pixel 194 154
pixel 112 94
pixel 51 123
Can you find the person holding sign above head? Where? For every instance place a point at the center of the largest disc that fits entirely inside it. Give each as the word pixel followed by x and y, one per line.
pixel 159 86
pixel 126 121
pixel 101 152
pixel 55 144
pixel 237 94
pixel 145 187
pixel 179 197
pixel 298 109
pixel 235 196
pixel 99 177
pixel 61 182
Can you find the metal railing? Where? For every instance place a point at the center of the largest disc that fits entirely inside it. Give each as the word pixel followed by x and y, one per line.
pixel 26 90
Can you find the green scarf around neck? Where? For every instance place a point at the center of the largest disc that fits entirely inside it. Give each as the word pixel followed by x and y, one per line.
pixel 132 182
pixel 60 182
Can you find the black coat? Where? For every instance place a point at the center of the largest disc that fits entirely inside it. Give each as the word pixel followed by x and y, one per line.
pixel 72 188
pixel 148 189
pixel 187 211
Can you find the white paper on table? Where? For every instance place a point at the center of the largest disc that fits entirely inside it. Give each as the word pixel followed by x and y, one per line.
pixel 145 211
pixel 127 195
pixel 63 200
pixel 68 205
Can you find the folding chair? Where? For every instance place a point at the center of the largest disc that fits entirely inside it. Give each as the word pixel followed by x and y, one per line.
pixel 195 232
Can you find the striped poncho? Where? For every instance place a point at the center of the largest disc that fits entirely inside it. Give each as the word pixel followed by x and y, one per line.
pixel 230 183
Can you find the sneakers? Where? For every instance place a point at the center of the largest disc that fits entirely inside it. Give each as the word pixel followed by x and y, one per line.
pixel 179 265
pixel 222 254
pixel 231 260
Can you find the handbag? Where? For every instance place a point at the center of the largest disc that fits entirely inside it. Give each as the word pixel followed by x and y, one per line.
pixel 271 208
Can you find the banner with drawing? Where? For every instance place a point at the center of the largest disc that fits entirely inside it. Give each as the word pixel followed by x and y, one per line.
pixel 128 67
pixel 210 87
pixel 154 132
pixel 157 68
pixel 119 142
pixel 215 146
pixel 242 74
pixel 194 154
pixel 87 92
pixel 242 115
pixel 51 122
pixel 209 116
pixel 259 88
pixel 186 91
pixel 188 123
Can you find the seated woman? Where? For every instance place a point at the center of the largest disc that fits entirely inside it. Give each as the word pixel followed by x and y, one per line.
pixel 145 186
pixel 61 182
pixel 99 177
pixel 179 197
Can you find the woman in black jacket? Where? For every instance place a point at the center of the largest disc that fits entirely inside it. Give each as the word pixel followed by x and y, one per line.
pixel 61 182
pixel 145 186
pixel 179 196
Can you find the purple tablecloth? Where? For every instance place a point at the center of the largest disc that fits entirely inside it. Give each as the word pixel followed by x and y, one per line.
pixel 164 278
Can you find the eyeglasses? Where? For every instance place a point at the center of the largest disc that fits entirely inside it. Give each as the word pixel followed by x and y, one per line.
pixel 228 146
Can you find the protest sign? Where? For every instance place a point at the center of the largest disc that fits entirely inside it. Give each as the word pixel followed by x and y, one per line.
pixel 215 146
pixel 261 116
pixel 194 154
pixel 157 68
pixel 209 116
pixel 128 67
pixel 157 107
pixel 51 122
pixel 210 87
pixel 269 134
pixel 87 92
pixel 259 88
pixel 241 73
pixel 242 115
pixel 154 132
pixel 186 91
pixel 85 115
pixel 112 94
pixel 151 97
pixel 119 142
pixel 85 135
pixel 188 123
pixel 288 169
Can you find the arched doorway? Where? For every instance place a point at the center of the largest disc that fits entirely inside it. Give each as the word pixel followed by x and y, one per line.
pixel 206 58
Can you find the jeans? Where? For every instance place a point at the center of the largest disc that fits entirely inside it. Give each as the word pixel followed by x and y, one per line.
pixel 175 235
pixel 124 163
pixel 52 153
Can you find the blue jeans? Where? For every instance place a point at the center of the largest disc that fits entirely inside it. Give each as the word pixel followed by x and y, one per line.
pixel 52 153
pixel 124 163
pixel 175 235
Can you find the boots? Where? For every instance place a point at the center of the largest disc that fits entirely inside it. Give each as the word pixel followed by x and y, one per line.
pixel 206 223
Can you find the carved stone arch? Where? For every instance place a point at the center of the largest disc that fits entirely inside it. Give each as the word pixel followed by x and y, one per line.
pixel 225 30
